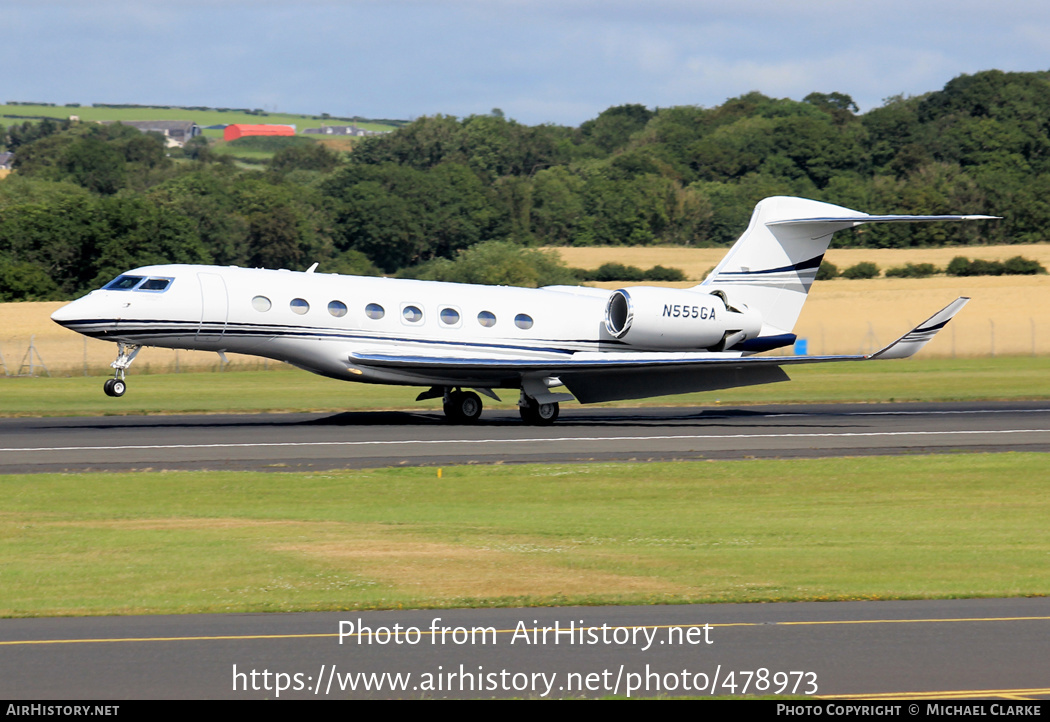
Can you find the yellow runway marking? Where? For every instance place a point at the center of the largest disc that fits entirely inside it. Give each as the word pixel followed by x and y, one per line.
pixel 967 694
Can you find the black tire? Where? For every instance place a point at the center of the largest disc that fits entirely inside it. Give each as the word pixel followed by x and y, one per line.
pixel 539 414
pixel 119 387
pixel 463 407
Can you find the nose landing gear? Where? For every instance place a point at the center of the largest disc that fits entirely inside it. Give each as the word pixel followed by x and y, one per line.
pixel 115 387
pixel 126 353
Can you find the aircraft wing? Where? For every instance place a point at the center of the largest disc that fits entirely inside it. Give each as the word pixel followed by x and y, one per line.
pixel 610 376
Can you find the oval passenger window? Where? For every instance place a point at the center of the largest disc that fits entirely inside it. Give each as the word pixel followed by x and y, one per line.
pixel 449 316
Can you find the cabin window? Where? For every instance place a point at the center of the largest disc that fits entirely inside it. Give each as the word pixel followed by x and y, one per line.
pixel 156 285
pixel 337 309
pixel 412 314
pixel 374 311
pixel 487 319
pixel 299 306
pixel 523 321
pixel 123 283
pixel 449 316
pixel 261 304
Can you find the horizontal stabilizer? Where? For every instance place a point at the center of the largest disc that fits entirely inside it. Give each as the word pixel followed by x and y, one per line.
pixel 866 218
pixel 922 334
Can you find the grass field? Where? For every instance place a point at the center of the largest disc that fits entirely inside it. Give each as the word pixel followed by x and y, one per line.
pixel 285 389
pixel 864 528
pixel 201 117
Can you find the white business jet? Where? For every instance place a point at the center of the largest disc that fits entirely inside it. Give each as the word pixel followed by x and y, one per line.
pixel 589 344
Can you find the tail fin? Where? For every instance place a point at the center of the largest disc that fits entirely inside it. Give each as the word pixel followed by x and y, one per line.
pixel 771 267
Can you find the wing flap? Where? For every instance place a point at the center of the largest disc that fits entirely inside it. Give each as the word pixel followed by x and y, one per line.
pixel 597 362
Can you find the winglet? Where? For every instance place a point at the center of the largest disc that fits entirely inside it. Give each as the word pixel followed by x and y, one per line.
pixel 922 334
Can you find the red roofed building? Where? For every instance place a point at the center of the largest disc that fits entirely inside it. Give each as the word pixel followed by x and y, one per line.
pixel 240 130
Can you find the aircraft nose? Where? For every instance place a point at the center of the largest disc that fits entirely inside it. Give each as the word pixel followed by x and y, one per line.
pixel 65 314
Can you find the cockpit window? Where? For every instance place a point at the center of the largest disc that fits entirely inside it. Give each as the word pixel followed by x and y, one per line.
pixel 123 283
pixel 138 283
pixel 155 284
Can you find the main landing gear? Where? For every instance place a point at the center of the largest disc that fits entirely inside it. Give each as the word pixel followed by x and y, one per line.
pixel 537 414
pixel 464 407
pixel 126 353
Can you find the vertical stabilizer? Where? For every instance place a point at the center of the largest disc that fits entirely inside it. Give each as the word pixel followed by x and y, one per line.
pixel 771 267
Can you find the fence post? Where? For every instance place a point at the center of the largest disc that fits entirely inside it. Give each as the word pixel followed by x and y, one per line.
pixel 28 359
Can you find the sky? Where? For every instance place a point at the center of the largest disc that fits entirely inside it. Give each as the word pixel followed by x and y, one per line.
pixel 539 61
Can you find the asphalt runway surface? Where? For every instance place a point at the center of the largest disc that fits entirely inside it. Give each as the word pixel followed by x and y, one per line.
pixel 920 650
pixel 288 442
pixel 953 649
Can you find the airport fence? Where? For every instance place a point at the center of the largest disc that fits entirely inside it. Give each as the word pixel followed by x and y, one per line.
pixel 965 337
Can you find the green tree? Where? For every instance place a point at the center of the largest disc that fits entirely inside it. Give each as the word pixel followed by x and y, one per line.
pixel 615 126
pixel 313 157
pixel 497 263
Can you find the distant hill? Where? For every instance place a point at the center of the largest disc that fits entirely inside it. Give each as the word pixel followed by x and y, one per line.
pixel 17 112
pixel 87 201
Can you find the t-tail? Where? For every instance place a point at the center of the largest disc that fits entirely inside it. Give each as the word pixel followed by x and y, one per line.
pixel 771 268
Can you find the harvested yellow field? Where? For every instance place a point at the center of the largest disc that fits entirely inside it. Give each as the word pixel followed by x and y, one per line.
pixel 1008 315
pixel 65 352
pixel 889 257
pixel 696 262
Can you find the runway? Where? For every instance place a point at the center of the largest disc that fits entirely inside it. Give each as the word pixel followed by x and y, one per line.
pixel 289 442
pixel 920 650
pixel 951 649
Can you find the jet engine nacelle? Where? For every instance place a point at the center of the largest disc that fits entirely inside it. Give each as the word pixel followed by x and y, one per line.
pixel 667 318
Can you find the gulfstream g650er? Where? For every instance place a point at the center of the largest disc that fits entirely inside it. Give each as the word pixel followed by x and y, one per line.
pixel 552 344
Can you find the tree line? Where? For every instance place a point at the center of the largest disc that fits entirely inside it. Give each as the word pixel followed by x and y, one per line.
pixel 88 201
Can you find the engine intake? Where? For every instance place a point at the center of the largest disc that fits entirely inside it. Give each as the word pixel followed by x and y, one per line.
pixel 654 318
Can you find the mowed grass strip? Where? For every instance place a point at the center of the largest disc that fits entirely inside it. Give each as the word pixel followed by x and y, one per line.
pixel 848 528
pixel 915 379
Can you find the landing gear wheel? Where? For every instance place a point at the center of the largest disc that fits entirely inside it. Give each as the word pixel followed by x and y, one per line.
pixel 463 407
pixel 126 353
pixel 115 387
pixel 536 414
